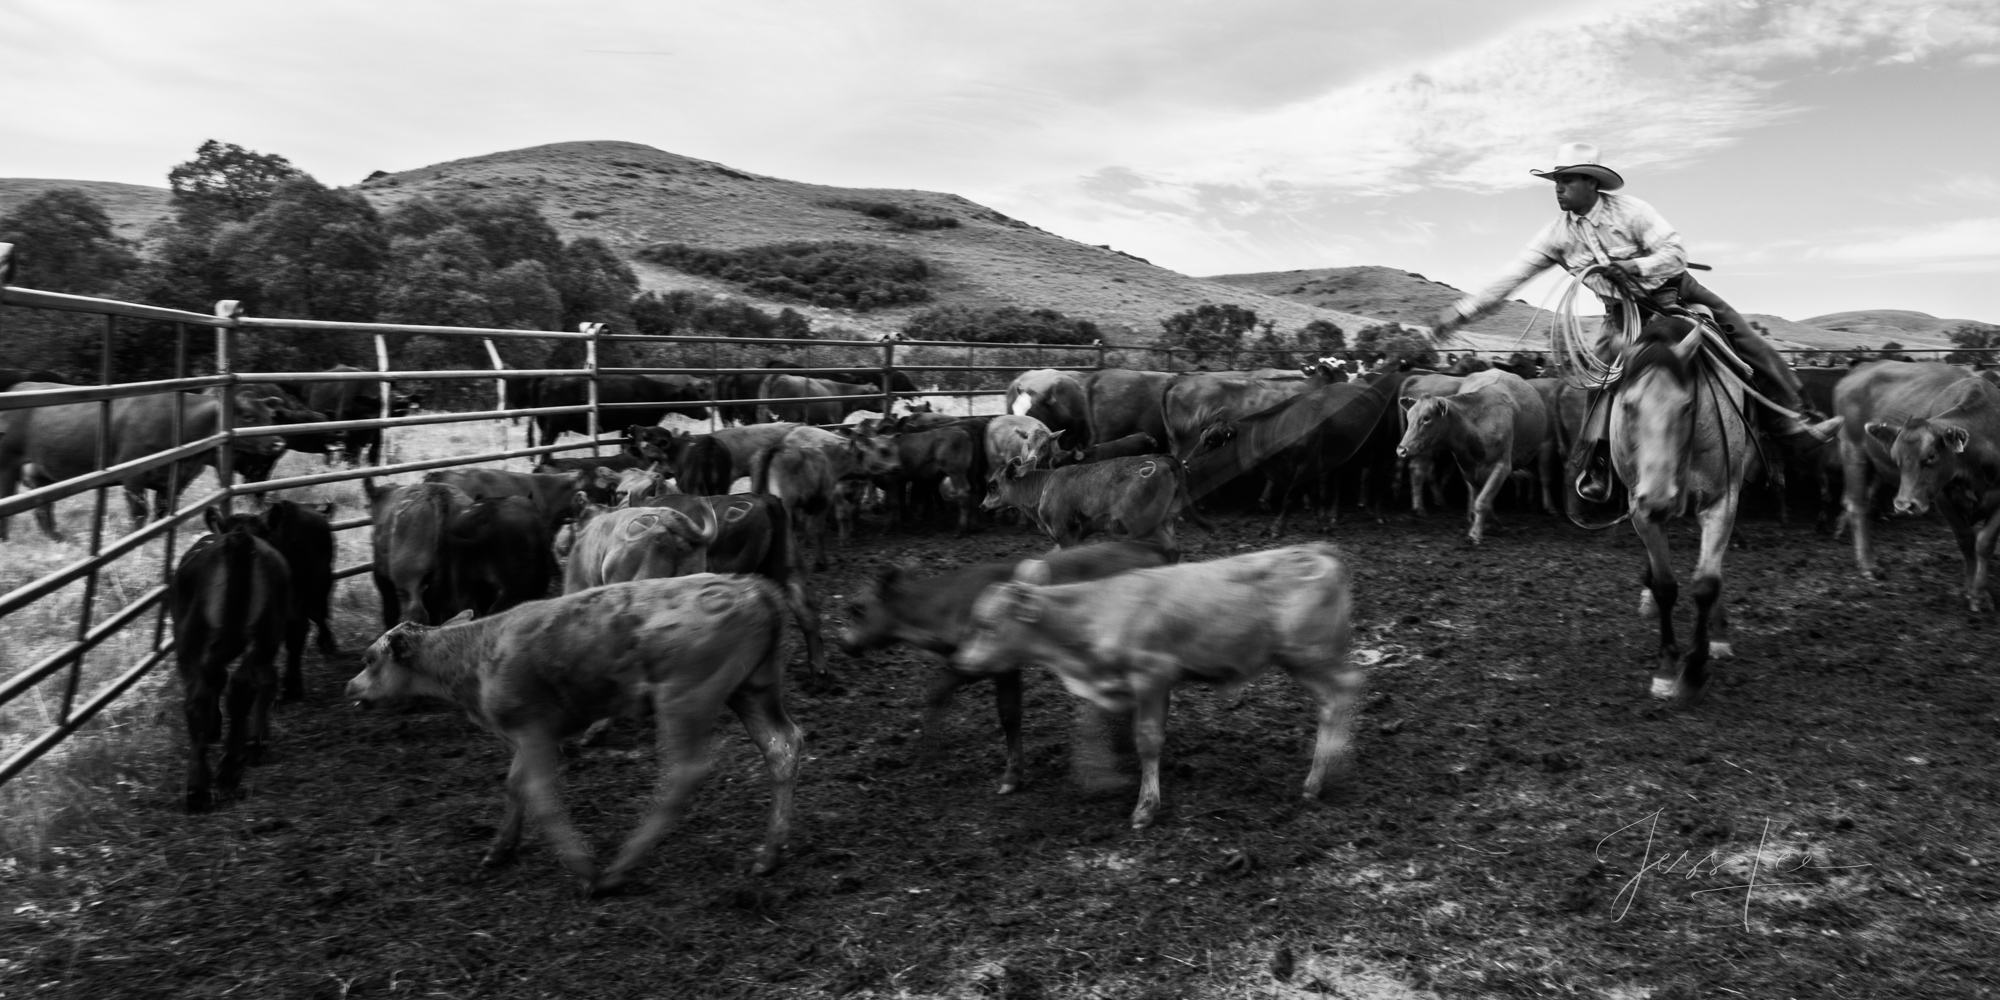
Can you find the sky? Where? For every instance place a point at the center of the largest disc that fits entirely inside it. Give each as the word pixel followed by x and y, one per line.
pixel 1821 155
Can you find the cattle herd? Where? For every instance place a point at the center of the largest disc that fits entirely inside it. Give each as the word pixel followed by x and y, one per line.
pixel 548 603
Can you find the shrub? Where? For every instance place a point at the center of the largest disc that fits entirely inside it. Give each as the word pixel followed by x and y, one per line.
pixel 838 274
pixel 999 325
pixel 897 216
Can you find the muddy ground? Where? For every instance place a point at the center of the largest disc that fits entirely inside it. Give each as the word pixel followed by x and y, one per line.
pixel 1521 820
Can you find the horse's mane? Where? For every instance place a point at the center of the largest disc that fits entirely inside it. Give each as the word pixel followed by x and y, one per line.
pixel 1654 348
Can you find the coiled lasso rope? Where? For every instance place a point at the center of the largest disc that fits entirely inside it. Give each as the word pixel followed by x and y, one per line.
pixel 1573 350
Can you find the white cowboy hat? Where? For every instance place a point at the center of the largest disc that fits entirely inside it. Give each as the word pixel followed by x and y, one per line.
pixel 1581 158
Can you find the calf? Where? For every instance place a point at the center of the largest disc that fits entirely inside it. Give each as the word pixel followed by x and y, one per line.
pixel 637 487
pixel 412 570
pixel 548 669
pixel 1135 498
pixel 303 536
pixel 932 614
pixel 667 450
pixel 1882 393
pixel 1015 444
pixel 1125 642
pixel 1493 425
pixel 706 469
pixel 804 471
pixel 595 469
pixel 925 459
pixel 754 536
pixel 500 555
pixel 230 598
pixel 636 543
pixel 1129 446
pixel 1952 459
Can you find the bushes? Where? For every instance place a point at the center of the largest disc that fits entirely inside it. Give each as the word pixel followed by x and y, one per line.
pixel 838 274
pixel 897 216
pixel 1002 325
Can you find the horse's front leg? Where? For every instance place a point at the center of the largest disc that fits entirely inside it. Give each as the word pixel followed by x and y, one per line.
pixel 1711 620
pixel 1660 595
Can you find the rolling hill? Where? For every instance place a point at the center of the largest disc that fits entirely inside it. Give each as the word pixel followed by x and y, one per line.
pixel 631 195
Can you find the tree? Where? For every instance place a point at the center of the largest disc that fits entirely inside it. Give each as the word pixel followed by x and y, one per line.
pixel 1322 337
pixel 594 284
pixel 310 253
pixel 1978 341
pixel 522 297
pixel 510 229
pixel 1400 346
pixel 1209 330
pixel 225 183
pixel 63 242
pixel 999 325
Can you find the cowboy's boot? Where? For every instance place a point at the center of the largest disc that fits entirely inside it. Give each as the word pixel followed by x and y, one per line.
pixel 1594 482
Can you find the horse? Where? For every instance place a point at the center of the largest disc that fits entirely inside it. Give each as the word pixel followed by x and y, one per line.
pixel 1680 439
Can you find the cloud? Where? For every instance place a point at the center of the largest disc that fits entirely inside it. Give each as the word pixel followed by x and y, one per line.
pixel 1958 245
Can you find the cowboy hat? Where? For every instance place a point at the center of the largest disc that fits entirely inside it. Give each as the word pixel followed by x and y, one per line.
pixel 1581 158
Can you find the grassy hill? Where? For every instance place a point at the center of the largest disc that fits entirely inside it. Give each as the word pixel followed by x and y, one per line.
pixel 132 207
pixel 631 195
pixel 1873 326
pixel 1403 296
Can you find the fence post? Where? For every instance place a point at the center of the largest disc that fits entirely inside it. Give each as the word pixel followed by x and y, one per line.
pixel 1099 344
pixel 888 373
pixel 6 275
pixel 386 388
pixel 225 336
pixel 173 477
pixel 499 386
pixel 595 330
pixel 87 610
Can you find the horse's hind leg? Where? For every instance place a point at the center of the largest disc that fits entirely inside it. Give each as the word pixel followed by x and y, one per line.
pixel 1663 592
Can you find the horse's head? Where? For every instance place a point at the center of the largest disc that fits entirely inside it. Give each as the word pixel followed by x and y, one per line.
pixel 1656 405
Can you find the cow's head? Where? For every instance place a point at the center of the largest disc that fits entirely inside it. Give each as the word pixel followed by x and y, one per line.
pixel 393 669
pixel 1425 420
pixel 653 446
pixel 636 486
pixel 1001 635
pixel 1926 455
pixel 874 454
pixel 256 409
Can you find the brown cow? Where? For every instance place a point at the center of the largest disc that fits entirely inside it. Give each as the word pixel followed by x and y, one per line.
pixel 1952 459
pixel 926 460
pixel 1125 642
pixel 550 493
pixel 1056 398
pixel 548 669
pixel 412 569
pixel 48 444
pixel 818 400
pixel 1882 392
pixel 1420 475
pixel 932 614
pixel 668 450
pixel 636 543
pixel 1125 447
pixel 1119 401
pixel 804 471
pixel 1191 404
pixel 1494 424
pixel 1135 498
pixel 230 598
pixel 1015 444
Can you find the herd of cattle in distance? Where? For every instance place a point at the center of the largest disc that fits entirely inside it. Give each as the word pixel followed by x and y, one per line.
pixel 673 591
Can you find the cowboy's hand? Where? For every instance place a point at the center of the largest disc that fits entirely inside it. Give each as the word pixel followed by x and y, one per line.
pixel 1629 267
pixel 1448 321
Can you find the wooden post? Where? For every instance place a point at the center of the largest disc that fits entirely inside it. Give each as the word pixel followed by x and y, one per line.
pixel 595 330
pixel 388 390
pixel 888 373
pixel 499 387
pixel 225 336
pixel 1099 344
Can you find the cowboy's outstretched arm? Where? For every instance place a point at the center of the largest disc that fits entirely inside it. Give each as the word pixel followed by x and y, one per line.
pixel 1539 255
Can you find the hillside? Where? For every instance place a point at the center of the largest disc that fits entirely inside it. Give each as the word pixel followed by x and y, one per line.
pixel 1873 326
pixel 1403 296
pixel 133 207
pixel 631 195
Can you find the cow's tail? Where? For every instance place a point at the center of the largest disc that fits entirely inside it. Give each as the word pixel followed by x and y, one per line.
pixel 760 468
pixel 228 605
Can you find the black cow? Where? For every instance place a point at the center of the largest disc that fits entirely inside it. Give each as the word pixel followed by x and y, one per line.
pixel 673 394
pixel 499 553
pixel 357 401
pixel 305 538
pixel 287 409
pixel 230 598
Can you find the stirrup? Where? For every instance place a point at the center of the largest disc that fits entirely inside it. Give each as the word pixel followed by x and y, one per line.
pixel 1590 491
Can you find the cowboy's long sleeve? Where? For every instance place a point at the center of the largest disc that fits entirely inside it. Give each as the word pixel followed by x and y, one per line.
pixel 1541 253
pixel 1662 256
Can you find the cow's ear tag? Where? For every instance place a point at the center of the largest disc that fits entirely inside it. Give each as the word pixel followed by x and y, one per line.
pixel 1957 438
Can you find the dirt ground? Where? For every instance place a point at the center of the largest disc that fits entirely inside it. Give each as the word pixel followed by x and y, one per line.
pixel 1521 820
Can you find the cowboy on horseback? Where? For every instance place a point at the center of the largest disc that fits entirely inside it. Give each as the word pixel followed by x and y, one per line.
pixel 1599 227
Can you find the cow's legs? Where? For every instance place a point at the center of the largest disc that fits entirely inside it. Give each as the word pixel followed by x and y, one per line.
pixel 1979 598
pixel 1336 684
pixel 1974 544
pixel 1482 500
pixel 1663 592
pixel 390 599
pixel 1007 703
pixel 1854 460
pixel 200 692
pixel 763 714
pixel 805 610
pixel 684 764
pixel 1150 699
pixel 295 651
pixel 241 743
pixel 531 785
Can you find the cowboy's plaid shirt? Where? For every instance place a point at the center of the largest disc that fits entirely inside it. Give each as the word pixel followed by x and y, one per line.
pixel 1621 226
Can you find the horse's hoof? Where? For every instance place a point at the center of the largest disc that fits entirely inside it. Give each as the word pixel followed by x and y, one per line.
pixel 766 863
pixel 1662 689
pixel 1648 604
pixel 1720 650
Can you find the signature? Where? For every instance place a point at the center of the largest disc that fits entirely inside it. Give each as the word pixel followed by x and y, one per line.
pixel 1772 863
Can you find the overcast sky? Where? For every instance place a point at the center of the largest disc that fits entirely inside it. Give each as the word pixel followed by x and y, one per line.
pixel 1823 155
